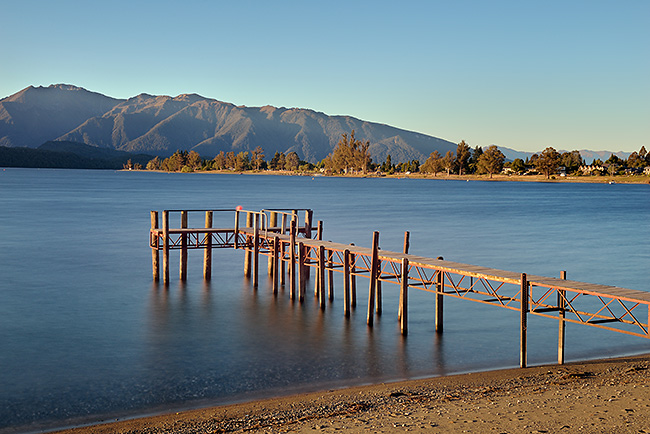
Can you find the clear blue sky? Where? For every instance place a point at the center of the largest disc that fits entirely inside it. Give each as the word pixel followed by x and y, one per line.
pixel 520 74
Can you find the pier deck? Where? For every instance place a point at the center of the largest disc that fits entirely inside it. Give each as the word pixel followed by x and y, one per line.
pixel 290 244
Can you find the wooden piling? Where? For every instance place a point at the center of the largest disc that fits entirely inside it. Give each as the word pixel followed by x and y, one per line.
pixel 378 298
pixel 302 279
pixel 403 297
pixel 330 275
pixel 407 244
pixel 273 222
pixel 373 278
pixel 523 356
pixel 353 280
pixel 276 257
pixel 321 276
pixel 256 250
pixel 207 253
pixel 561 306
pixel 292 261
pixel 248 254
pixel 346 283
pixel 183 262
pixel 166 247
pixel 319 237
pixel 236 240
pixel 440 290
pixel 155 255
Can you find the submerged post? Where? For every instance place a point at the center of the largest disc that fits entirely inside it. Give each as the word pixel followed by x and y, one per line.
pixel 273 222
pixel 523 356
pixel 276 254
pixel 166 247
pixel 353 280
pixel 183 263
pixel 155 256
pixel 373 278
pixel 403 297
pixel 207 254
pixel 292 261
pixel 302 279
pixel 256 250
pixel 346 282
pixel 440 290
pixel 330 276
pixel 561 306
pixel 247 250
pixel 321 276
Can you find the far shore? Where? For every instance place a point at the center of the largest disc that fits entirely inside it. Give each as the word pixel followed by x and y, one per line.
pixel 632 179
pixel 601 396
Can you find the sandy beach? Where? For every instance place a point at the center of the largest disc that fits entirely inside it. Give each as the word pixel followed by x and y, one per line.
pixel 604 396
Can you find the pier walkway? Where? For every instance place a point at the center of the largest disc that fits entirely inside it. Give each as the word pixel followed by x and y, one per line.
pixel 294 248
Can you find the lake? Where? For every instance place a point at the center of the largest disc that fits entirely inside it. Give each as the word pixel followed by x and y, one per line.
pixel 85 335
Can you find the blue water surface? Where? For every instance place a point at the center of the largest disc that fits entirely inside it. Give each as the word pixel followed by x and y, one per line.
pixel 86 336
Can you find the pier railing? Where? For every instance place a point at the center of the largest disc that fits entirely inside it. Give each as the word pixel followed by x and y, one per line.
pixel 288 243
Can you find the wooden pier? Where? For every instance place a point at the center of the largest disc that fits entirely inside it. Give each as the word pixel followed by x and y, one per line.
pixel 293 248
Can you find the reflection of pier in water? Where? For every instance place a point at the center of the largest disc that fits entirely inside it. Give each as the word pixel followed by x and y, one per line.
pixel 292 252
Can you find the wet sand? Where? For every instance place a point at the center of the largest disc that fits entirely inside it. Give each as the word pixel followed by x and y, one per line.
pixel 605 396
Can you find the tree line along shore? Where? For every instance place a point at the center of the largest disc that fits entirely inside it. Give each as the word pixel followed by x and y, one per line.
pixel 351 157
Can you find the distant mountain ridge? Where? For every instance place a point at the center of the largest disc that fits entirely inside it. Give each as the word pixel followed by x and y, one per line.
pixel 160 125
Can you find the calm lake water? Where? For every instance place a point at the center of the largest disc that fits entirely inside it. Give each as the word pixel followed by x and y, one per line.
pixel 86 336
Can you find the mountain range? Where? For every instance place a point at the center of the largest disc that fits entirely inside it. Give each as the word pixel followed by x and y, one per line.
pixel 160 125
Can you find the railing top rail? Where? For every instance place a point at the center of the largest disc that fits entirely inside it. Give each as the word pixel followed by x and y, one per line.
pixel 201 210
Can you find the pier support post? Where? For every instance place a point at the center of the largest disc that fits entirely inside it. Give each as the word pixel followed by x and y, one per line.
pixel 166 247
pixel 523 354
pixel 321 276
pixel 378 298
pixel 302 278
pixel 273 222
pixel 353 280
pixel 308 216
pixel 330 275
pixel 373 278
pixel 319 237
pixel 155 256
pixel 561 306
pixel 276 254
pixel 403 297
pixel 292 261
pixel 207 254
pixel 346 283
pixel 236 237
pixel 183 263
pixel 248 255
pixel 256 250
pixel 440 290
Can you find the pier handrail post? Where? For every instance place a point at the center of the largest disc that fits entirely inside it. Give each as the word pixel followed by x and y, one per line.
pixel 207 254
pixel 183 261
pixel 346 283
pixel 308 216
pixel 407 243
pixel 373 278
pixel 523 355
pixel 561 306
pixel 319 237
pixel 403 297
pixel 165 247
pixel 440 290
pixel 236 242
pixel 153 240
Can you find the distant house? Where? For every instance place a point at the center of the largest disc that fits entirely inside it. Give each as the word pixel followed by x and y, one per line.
pixel 592 169
pixel 646 171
